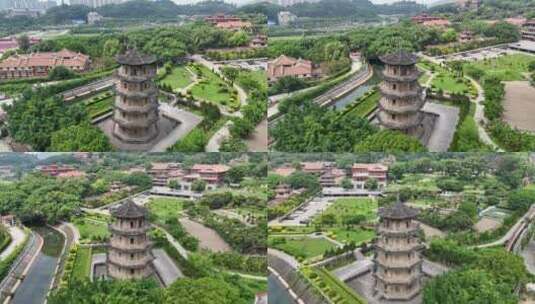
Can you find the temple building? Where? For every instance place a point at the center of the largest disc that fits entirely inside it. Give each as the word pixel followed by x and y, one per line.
pixel 136 105
pixel 398 262
pixel 129 254
pixel 402 96
pixel 40 64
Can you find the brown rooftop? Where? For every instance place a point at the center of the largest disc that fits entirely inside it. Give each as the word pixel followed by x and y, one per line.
pixel 400 57
pixel 398 211
pixel 134 57
pixel 129 209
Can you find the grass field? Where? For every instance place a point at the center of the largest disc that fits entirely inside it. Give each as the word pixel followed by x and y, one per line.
pixel 364 108
pixel 258 76
pixel 91 229
pixel 416 181
pixel 301 247
pixel 507 68
pixel 356 235
pixel 163 208
pixel 449 83
pixel 179 78
pixel 82 264
pixel 343 207
pixel 99 104
pixel 212 88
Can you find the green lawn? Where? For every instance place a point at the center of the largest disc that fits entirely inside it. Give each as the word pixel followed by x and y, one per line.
pixel 343 207
pixel 258 76
pixel 179 78
pixel 82 264
pixel 507 68
pixel 449 83
pixel 91 229
pixel 356 235
pixel 423 182
pixel 162 208
pixel 301 247
pixel 213 89
pixel 365 107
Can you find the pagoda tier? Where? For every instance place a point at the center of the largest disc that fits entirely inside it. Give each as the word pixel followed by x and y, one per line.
pixel 136 104
pixel 397 258
pixel 129 249
pixel 402 96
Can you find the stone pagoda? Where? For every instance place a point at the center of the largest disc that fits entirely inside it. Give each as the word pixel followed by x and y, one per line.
pixel 402 96
pixel 398 263
pixel 129 253
pixel 136 106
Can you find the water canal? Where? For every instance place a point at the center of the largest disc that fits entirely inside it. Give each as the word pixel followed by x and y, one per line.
pixel 360 90
pixel 35 286
pixel 277 293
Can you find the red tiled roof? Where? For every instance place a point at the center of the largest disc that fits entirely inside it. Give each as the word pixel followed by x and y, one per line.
pixel 284 171
pixel 204 168
pixel 49 59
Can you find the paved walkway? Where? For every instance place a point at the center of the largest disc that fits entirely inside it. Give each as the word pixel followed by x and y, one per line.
pixel 72 232
pixel 258 140
pixel 188 121
pixel 214 143
pixel 445 126
pixel 208 238
pixel 480 118
pixel 17 238
pixel 183 252
pixel 290 260
pixel 529 257
pixel 165 267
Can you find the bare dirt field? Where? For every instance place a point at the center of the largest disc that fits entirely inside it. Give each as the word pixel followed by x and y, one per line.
pixel 208 238
pixel 487 224
pixel 519 105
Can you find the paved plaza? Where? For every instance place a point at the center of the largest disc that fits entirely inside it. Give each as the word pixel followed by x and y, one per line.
pixel 173 125
pixel 445 126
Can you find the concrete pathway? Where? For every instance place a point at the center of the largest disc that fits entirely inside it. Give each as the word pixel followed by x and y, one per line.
pixel 480 118
pixel 208 238
pixel 529 257
pixel 72 229
pixel 288 259
pixel 445 126
pixel 214 143
pixel 165 267
pixel 188 122
pixel 17 238
pixel 258 141
pixel 183 252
